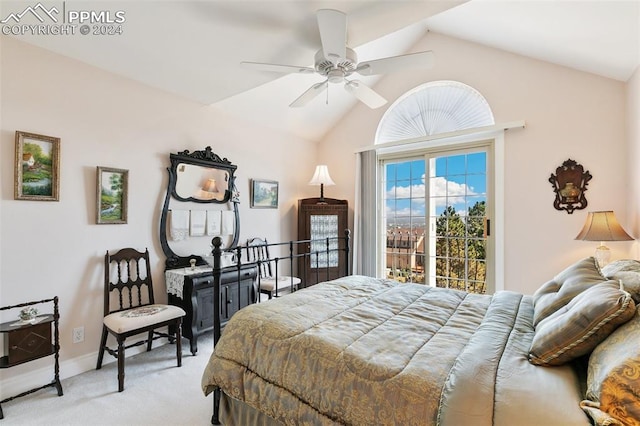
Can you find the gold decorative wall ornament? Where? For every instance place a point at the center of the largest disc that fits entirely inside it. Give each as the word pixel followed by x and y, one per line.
pixel 569 184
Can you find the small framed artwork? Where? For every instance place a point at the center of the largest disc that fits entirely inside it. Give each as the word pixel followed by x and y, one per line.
pixel 264 194
pixel 112 192
pixel 37 167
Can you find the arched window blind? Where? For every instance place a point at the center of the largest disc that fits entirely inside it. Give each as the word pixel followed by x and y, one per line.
pixel 434 108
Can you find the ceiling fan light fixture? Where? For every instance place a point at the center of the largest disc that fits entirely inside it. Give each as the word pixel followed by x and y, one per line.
pixel 335 76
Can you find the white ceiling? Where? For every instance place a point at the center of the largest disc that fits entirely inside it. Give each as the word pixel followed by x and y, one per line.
pixel 194 48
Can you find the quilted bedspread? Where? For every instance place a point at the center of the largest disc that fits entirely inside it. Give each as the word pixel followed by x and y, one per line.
pixel 366 351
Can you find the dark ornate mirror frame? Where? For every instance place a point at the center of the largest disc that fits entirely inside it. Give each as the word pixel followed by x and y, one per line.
pixel 569 184
pixel 206 158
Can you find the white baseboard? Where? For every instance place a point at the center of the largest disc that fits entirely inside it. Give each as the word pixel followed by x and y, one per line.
pixel 68 368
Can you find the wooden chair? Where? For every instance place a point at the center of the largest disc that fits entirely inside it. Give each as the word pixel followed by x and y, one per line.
pixel 134 311
pixel 269 269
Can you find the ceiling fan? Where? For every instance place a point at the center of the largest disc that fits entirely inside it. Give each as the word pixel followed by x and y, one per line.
pixel 336 62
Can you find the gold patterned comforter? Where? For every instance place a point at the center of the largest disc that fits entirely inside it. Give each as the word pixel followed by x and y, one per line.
pixel 366 351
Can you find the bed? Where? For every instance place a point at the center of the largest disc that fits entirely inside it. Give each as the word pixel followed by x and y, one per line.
pixel 367 351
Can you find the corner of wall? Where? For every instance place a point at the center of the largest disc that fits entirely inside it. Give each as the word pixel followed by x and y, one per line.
pixel 633 143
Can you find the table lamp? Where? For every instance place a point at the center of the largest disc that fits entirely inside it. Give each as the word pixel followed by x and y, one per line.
pixel 321 177
pixel 602 226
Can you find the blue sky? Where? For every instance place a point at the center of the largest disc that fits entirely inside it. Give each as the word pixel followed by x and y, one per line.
pixel 458 180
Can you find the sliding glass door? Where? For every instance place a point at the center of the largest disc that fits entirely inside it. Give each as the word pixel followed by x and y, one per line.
pixel 435 218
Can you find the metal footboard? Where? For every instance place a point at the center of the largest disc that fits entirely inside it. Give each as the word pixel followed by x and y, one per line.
pixel 317 252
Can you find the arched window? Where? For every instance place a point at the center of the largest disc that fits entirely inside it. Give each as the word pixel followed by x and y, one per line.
pixel 437 195
pixel 434 108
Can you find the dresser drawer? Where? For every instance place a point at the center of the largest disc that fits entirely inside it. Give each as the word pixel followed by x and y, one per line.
pixel 29 343
pixel 225 277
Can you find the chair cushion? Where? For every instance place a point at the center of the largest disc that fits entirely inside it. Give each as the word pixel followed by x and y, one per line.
pixel 269 284
pixel 135 318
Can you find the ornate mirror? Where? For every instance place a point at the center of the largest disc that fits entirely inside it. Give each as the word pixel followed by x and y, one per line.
pixel 569 184
pixel 200 177
pixel 200 183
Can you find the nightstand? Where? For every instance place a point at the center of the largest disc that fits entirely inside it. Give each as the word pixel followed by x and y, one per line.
pixel 28 341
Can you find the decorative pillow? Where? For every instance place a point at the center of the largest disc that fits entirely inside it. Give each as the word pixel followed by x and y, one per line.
pixel 613 377
pixel 627 271
pixel 575 329
pixel 565 286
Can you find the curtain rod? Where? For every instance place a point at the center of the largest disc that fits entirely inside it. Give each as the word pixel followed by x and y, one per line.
pixel 476 130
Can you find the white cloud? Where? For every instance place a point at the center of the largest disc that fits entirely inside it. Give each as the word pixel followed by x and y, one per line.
pixel 413 191
pixel 389 211
pixel 440 187
pixel 455 191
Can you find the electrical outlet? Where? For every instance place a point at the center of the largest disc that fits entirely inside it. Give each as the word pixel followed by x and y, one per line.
pixel 78 334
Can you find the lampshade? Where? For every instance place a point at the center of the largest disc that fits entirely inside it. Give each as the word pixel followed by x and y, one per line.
pixel 321 176
pixel 602 226
pixel 210 186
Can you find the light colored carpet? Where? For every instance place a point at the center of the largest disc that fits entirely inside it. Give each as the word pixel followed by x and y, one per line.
pixel 156 392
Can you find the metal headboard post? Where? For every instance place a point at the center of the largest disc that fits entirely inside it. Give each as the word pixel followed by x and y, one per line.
pixel 217 253
pixel 347 249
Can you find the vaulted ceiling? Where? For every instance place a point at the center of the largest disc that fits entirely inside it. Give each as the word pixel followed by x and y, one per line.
pixel 194 48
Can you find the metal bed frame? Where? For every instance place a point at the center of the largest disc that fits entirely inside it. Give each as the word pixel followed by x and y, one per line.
pixel 297 250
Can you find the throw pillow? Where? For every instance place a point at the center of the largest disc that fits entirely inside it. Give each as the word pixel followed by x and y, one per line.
pixel 559 291
pixel 613 377
pixel 627 271
pixel 575 329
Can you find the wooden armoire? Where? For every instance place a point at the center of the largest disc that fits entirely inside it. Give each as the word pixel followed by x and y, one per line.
pixel 319 219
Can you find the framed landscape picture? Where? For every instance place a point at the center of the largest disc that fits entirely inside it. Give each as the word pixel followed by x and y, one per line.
pixel 264 194
pixel 112 192
pixel 37 167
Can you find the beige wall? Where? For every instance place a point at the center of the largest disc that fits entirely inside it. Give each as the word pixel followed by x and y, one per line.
pixel 569 114
pixel 55 248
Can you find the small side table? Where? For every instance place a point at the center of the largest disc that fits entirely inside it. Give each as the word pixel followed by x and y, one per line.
pixel 31 341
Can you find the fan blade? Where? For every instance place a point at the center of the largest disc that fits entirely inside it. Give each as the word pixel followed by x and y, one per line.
pixel 309 94
pixel 396 63
pixel 365 94
pixel 333 34
pixel 287 69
